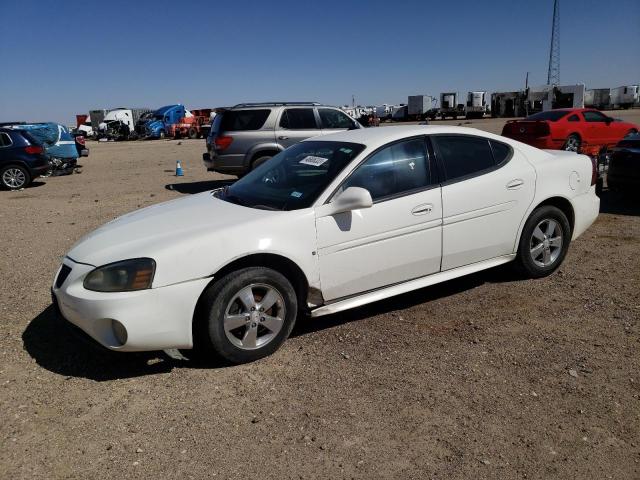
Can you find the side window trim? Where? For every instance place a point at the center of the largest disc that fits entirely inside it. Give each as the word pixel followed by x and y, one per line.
pixel 444 181
pixel 430 168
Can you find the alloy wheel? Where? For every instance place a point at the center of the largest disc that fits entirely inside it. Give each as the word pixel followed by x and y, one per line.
pixel 14 178
pixel 573 144
pixel 545 245
pixel 254 316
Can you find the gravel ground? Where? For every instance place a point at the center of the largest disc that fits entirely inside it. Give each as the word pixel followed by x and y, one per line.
pixel 486 376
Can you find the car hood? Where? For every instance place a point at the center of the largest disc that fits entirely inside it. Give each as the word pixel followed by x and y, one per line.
pixel 169 232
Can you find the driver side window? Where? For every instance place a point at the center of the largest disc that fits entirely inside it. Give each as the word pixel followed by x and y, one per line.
pixel 397 169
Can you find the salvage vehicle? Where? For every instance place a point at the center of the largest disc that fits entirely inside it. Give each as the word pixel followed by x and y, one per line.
pixel 158 125
pixel 624 166
pixel 120 123
pixel 245 136
pixel 582 130
pixel 329 224
pixel 22 159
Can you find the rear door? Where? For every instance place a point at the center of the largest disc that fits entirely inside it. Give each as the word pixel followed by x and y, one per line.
pixel 487 189
pixel 333 120
pixel 296 124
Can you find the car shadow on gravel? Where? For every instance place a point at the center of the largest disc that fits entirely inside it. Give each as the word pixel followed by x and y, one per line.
pixel 198 187
pixel 57 347
pixel 619 204
pixel 500 274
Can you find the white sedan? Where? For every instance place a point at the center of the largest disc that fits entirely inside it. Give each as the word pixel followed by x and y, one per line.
pixel 329 224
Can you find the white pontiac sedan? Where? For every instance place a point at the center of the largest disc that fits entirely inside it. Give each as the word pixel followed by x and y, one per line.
pixel 331 223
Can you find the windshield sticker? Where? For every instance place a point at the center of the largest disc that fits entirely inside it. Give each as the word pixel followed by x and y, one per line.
pixel 296 194
pixel 346 150
pixel 314 161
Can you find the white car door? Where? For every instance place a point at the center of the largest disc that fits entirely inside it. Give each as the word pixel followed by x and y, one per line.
pixel 487 189
pixel 398 238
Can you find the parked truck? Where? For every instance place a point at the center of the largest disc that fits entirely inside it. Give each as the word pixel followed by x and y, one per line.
pixel 420 107
pixel 195 126
pixel 599 98
pixel 625 96
pixel 119 123
pixel 163 119
pixel 449 106
pixel 476 104
pixel 83 125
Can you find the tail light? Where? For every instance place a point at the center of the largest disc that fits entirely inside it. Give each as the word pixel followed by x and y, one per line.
pixel 80 139
pixel 33 149
pixel 223 142
pixel 542 129
pixel 594 170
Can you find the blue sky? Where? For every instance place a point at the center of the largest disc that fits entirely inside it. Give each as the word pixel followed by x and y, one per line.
pixel 61 58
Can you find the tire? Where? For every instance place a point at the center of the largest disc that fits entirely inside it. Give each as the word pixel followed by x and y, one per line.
pixel 259 161
pixel 14 177
pixel 573 143
pixel 545 223
pixel 193 133
pixel 230 329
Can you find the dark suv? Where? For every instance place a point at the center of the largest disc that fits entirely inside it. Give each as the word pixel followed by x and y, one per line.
pixel 22 159
pixel 244 136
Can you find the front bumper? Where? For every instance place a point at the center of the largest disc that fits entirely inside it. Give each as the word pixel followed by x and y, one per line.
pixel 154 319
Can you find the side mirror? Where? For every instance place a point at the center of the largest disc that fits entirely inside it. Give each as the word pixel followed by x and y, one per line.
pixel 609 120
pixel 353 198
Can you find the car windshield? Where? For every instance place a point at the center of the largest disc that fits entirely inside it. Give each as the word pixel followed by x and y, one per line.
pixel 551 115
pixel 294 178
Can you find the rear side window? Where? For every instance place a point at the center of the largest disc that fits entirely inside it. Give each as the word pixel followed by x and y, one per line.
pixel 574 118
pixel 239 120
pixel 5 140
pixel 462 155
pixel 334 119
pixel 298 119
pixel 394 170
pixel 501 152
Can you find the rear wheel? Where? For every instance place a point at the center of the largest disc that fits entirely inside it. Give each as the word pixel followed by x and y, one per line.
pixel 544 242
pixel 193 133
pixel 246 315
pixel 573 143
pixel 14 177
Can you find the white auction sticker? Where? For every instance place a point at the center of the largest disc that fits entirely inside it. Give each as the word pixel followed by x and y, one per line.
pixel 315 161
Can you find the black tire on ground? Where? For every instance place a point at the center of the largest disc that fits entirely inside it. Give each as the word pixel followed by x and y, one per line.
pixel 525 257
pixel 210 337
pixel 573 143
pixel 259 161
pixel 193 133
pixel 14 177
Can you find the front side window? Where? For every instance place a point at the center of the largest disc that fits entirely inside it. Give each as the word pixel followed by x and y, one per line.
pixel 294 178
pixel 331 118
pixel 463 155
pixel 591 116
pixel 396 169
pixel 298 119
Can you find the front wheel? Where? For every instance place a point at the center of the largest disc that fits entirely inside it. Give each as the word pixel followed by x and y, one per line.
pixel 246 315
pixel 544 242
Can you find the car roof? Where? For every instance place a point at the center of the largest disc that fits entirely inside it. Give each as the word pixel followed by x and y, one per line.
pixel 378 136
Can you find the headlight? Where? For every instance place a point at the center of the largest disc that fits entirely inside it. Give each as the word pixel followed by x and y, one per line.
pixel 125 276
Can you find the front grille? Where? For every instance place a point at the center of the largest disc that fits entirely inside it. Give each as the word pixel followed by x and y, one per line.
pixel 62 276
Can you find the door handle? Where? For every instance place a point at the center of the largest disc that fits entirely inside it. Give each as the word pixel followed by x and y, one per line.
pixel 283 137
pixel 422 209
pixel 515 184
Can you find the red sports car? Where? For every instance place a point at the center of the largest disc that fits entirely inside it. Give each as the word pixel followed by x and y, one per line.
pixel 583 130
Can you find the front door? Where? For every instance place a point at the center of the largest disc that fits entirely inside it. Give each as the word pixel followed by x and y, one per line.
pixel 398 238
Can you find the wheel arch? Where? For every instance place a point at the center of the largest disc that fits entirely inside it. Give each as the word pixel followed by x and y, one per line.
pixel 559 202
pixel 279 263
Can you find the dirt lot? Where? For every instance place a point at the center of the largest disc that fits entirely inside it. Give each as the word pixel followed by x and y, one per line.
pixel 483 377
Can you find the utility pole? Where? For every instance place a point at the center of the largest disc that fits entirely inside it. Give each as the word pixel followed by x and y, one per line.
pixel 553 75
